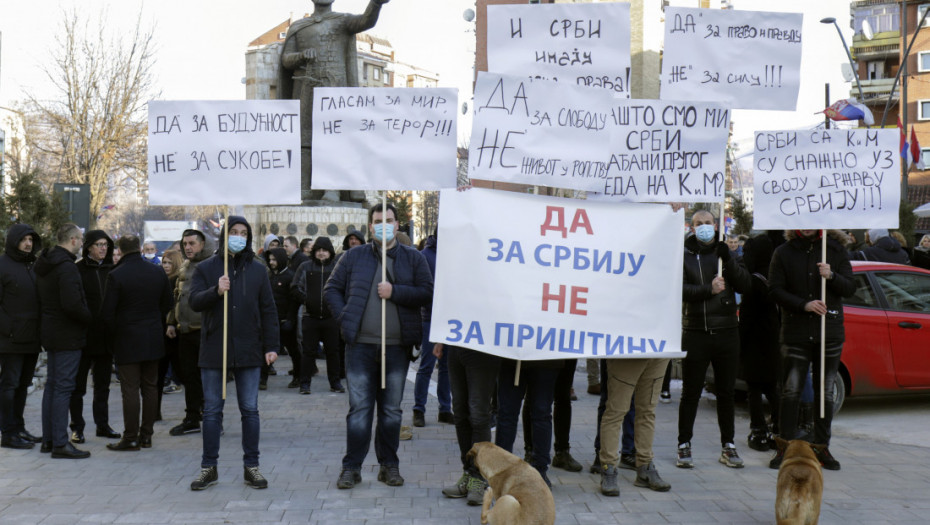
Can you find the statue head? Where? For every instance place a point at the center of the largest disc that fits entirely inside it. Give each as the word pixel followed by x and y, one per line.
pixel 323 2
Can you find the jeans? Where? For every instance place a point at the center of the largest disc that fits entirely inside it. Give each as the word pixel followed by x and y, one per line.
pixel 247 396
pixel 421 386
pixel 102 367
pixel 318 331
pixel 720 349
pixel 16 372
pixel 627 442
pixel 188 357
pixel 62 370
pixel 537 385
pixel 133 379
pixel 473 378
pixel 363 374
pixel 797 359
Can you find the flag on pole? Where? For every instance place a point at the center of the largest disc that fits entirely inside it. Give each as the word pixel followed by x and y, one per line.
pixel 903 146
pixel 916 154
pixel 850 109
pixel 104 209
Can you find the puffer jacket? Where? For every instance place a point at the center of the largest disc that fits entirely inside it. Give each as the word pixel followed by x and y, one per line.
pixel 794 281
pixel 19 296
pixel 65 315
pixel 349 286
pixel 310 279
pixel 182 315
pixel 885 249
pixel 704 310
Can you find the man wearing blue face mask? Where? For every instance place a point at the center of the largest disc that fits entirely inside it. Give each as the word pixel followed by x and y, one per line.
pixel 354 294
pixel 710 334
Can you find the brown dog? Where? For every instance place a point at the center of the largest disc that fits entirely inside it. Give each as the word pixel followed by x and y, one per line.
pixel 800 484
pixel 522 496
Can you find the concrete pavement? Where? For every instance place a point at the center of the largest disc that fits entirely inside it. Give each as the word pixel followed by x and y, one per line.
pixel 303 440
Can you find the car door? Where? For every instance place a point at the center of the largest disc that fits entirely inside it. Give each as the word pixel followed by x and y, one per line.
pixel 907 294
pixel 867 351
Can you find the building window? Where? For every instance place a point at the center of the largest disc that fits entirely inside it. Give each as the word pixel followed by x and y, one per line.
pixel 376 74
pixel 923 110
pixel 875 70
pixel 923 61
pixel 920 13
pixel 925 154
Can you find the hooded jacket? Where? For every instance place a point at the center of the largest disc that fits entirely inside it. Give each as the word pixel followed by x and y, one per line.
pixel 704 310
pixel 281 285
pixel 182 315
pixel 268 239
pixel 794 280
pixel 310 279
pixel 94 277
pixel 885 249
pixel 345 243
pixel 759 319
pixel 253 318
pixel 19 296
pixel 348 288
pixel 65 315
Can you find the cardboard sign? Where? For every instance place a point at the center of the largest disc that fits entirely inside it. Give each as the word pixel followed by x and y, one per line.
pixel 232 152
pixel 553 278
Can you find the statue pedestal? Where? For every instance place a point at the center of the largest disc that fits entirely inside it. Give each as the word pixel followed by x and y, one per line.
pixel 313 219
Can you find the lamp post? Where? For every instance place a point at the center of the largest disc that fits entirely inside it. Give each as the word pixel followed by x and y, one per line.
pixel 852 64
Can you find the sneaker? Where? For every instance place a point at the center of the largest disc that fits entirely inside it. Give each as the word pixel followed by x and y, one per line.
pixel 446 417
pixel 827 459
pixel 775 463
pixel 759 440
pixel 628 461
pixel 390 476
pixel 565 461
pixel 254 478
pixel 338 388
pixel 596 466
pixel 460 489
pixel 684 456
pixel 648 476
pixel 294 383
pixel 729 456
pixel 305 389
pixel 348 479
pixel 186 427
pixel 207 477
pixel 476 488
pixel 263 386
pixel 665 396
pixel 172 389
pixel 419 419
pixel 609 485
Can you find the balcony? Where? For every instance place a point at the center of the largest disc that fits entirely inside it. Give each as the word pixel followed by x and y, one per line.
pixel 875 91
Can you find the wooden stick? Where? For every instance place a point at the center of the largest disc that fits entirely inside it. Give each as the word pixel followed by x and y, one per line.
pixel 516 375
pixel 383 280
pixel 226 294
pixel 823 323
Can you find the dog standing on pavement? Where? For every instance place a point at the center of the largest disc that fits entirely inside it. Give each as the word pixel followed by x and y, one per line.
pixel 800 484
pixel 522 497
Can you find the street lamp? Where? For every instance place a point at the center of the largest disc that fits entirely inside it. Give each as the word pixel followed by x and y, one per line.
pixel 831 20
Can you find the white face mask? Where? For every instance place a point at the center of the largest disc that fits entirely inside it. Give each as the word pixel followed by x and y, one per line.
pixel 149 256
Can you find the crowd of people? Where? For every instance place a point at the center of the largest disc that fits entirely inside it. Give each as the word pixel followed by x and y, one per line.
pixel 750 304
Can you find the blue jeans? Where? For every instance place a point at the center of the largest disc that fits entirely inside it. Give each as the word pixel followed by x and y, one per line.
pixel 537 384
pixel 363 377
pixel 16 372
pixel 62 372
pixel 427 363
pixel 247 394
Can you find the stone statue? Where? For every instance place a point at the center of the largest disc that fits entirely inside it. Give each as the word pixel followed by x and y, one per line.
pixel 319 50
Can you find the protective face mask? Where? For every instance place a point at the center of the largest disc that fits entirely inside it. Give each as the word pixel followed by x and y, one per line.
pixel 236 243
pixel 149 256
pixel 384 232
pixel 704 232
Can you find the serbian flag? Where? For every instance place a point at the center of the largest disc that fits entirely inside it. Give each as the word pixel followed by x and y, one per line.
pixel 850 109
pixel 916 154
pixel 903 146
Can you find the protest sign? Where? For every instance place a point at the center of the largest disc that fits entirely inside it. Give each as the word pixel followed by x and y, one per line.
pixel 582 44
pixel 665 151
pixel 532 278
pixel 824 179
pixel 536 132
pixel 231 152
pixel 744 59
pixel 384 138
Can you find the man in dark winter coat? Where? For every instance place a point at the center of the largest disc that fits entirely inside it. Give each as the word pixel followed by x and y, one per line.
pixel 882 248
pixel 64 323
pixel 281 277
pixel 354 294
pixel 137 299
pixel 19 332
pixel 252 340
pixel 353 239
pixel 710 334
pixel 295 256
pixel 795 284
pixel 318 323
pixel 97 356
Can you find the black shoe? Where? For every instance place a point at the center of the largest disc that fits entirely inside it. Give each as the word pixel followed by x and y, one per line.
pixel 145 442
pixel 16 441
pixel 627 461
pixel 419 419
pixel 390 476
pixel 67 451
pixel 263 386
pixel 348 479
pixel 338 388
pixel 29 437
pixel 124 444
pixel 759 440
pixel 294 383
pixel 564 460
pixel 775 463
pixel 46 447
pixel 596 466
pixel 77 436
pixel 254 478
pixel 446 417
pixel 186 427
pixel 272 371
pixel 826 458
pixel 207 477
pixel 107 432
pixel 305 389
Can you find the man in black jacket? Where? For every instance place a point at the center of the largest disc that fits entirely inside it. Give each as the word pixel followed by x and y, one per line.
pixel 64 322
pixel 795 284
pixel 97 356
pixel 137 299
pixel 318 323
pixel 710 334
pixel 252 341
pixel 19 332
pixel 281 276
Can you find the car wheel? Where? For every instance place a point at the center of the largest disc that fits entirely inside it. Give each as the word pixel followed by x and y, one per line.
pixel 839 393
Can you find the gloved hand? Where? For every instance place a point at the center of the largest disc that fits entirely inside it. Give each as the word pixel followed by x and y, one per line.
pixel 723 251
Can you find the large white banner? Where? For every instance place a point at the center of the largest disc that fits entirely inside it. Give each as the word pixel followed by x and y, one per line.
pixel 824 179
pixel 665 151
pixel 540 133
pixel 533 278
pixel 582 44
pixel 384 138
pixel 232 152
pixel 744 59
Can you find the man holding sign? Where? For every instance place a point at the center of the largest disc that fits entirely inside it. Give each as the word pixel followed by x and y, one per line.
pixel 794 283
